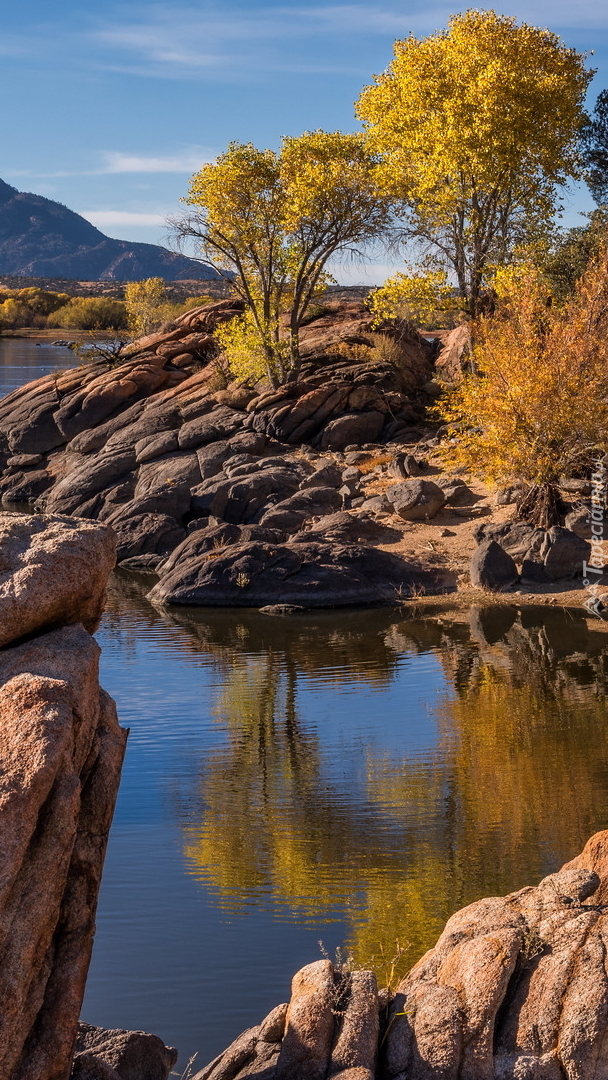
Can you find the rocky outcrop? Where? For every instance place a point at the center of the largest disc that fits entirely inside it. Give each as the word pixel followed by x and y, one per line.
pixel 61 752
pixel 310 572
pixel 151 447
pixel 516 988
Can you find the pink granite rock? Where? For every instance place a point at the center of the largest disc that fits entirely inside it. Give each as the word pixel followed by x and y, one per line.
pixel 61 752
pixel 53 571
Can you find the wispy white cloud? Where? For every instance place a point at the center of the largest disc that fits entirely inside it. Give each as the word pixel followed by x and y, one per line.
pixel 116 161
pixel 186 162
pixel 234 42
pixel 208 40
pixel 108 219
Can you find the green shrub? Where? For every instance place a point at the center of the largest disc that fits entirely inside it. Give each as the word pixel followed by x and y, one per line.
pixel 90 313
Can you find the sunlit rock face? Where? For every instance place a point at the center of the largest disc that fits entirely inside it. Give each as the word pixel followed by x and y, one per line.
pixel 61 751
pixel 515 987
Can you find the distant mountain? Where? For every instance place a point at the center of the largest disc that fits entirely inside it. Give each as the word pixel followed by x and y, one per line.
pixel 41 238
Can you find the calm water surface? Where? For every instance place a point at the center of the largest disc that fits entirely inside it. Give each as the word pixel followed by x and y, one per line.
pixel 22 360
pixel 347 777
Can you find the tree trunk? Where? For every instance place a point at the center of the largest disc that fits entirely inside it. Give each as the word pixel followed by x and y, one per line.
pixel 294 349
pixel 540 506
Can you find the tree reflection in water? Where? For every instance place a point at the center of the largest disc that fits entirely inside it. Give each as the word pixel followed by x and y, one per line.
pixel 515 782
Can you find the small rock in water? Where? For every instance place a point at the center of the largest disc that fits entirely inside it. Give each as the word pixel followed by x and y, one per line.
pixel 281 609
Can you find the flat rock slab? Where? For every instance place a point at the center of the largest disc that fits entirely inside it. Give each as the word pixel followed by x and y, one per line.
pixel 310 574
pixel 53 571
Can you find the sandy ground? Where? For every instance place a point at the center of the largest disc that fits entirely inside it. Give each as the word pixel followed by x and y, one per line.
pixel 446 544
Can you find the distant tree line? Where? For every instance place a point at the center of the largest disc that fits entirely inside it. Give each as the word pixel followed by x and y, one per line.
pixel 145 307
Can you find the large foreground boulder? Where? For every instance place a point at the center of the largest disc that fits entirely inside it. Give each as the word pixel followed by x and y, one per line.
pixel 61 752
pixel 516 988
pixel 307 573
pixel 53 571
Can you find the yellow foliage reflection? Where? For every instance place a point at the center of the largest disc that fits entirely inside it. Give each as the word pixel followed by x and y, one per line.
pixel 393 841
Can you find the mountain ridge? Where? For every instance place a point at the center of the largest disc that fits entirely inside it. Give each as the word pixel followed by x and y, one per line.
pixel 40 237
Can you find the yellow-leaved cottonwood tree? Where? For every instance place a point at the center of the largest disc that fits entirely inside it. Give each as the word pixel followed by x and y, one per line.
pixel 272 221
pixel 478 128
pixel 145 301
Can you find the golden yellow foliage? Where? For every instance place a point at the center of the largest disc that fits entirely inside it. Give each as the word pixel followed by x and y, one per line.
pixel 358 352
pixel 478 127
pixel 243 350
pixel 145 303
pixel 418 296
pixel 537 404
pixel 273 220
pixel 28 307
pixel 90 313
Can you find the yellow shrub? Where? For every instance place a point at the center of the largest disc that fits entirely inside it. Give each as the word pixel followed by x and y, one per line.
pixel 90 313
pixel 537 405
pixel 243 348
pixel 146 304
pixel 359 352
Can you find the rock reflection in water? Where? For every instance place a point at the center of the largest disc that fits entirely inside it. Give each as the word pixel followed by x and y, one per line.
pixel 512 784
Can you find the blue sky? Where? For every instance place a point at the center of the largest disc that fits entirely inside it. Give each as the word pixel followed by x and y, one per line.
pixel 109 108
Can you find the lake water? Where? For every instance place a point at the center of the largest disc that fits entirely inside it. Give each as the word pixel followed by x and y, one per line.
pixel 350 777
pixel 22 359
